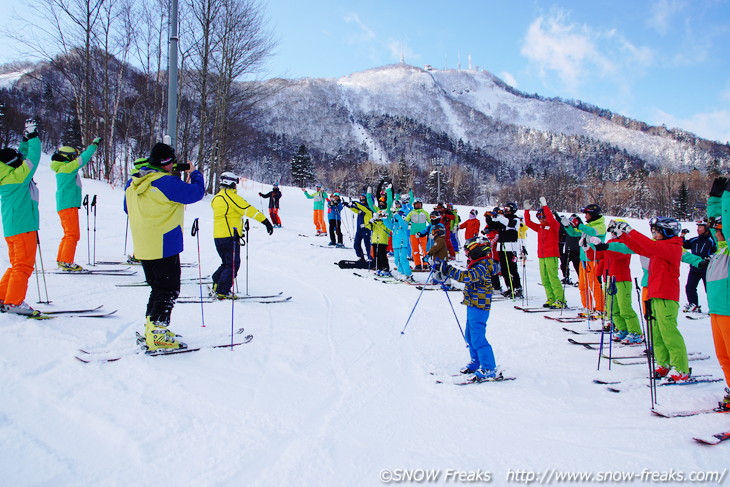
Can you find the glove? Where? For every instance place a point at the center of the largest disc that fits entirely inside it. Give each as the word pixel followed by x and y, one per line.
pixel 684 231
pixel 703 264
pixel 31 129
pixel 601 246
pixel 621 228
pixel 583 242
pixel 421 234
pixel 595 240
pixel 611 228
pixel 370 190
pixel 97 140
pixel 268 225
pixel 374 219
pixel 718 186
pixel 564 221
pixel 442 267
pixel 527 205
pixel 543 201
pixel 575 221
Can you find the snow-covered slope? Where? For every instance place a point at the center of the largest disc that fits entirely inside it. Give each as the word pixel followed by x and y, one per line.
pixel 329 392
pixel 465 104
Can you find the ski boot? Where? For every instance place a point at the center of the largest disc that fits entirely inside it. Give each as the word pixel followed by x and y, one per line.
pixel 22 309
pixel 559 305
pixel 548 304
pixel 676 376
pixel 159 337
pixel 482 375
pixel 470 368
pixel 633 339
pixel 724 404
pixel 69 267
pixel 661 372
pixel 620 335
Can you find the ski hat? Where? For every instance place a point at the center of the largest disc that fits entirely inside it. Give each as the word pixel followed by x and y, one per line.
pixel 228 179
pixel 473 213
pixel 276 185
pixel 140 162
pixel 161 155
pixel 11 157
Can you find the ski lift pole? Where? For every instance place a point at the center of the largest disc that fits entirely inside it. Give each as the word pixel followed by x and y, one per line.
pixel 88 243
pixel 93 205
pixel 195 232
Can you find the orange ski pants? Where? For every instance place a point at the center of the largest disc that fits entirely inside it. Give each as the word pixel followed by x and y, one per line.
pixel 591 293
pixel 721 337
pixel 71 235
pixel 418 248
pixel 14 283
pixel 319 221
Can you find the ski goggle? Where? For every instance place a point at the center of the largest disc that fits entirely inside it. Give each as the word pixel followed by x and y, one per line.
pixel 715 223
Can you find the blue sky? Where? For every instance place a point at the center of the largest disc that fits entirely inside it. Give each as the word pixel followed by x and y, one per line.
pixel 661 61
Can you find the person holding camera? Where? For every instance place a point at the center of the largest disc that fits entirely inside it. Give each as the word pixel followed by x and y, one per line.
pixel 155 201
pixel 66 162
pixel 19 203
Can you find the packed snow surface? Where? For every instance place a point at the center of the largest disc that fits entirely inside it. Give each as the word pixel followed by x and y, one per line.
pixel 329 392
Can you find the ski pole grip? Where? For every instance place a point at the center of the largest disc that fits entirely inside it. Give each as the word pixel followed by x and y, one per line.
pixel 195 228
pixel 86 201
pixel 93 201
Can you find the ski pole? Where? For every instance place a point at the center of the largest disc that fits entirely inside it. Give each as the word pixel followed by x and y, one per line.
pixel 196 233
pixel 88 243
pixel 246 228
pixel 648 349
pixel 233 277
pixel 126 233
pixel 93 205
pixel 525 293
pixel 43 271
pixel 423 288
pixel 446 292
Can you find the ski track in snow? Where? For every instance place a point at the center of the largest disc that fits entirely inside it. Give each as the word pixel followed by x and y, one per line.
pixel 329 392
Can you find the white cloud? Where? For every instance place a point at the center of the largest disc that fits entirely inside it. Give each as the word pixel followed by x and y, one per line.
pixel 577 53
pixel 364 32
pixel 663 14
pixel 711 125
pixel 508 78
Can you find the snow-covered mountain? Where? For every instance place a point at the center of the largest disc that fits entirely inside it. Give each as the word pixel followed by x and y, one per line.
pixel 329 392
pixel 467 106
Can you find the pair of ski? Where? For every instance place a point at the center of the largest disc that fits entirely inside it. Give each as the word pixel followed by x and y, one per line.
pixel 330 246
pixel 101 357
pixel 263 298
pixel 96 272
pixel 49 314
pixel 540 309
pixel 470 379
pixel 699 379
pixel 188 280
pixel 137 262
pixel 606 345
pixel 712 439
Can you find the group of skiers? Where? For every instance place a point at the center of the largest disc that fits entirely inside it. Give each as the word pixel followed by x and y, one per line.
pixel 600 252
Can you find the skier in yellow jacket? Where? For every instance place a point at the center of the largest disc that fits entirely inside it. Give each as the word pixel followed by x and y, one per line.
pixel 228 211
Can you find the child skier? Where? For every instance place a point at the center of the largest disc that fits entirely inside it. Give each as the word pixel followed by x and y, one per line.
pixel 67 163
pixel 478 302
pixel 400 236
pixel 470 226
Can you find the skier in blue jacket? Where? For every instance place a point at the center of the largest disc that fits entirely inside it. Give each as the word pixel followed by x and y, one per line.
pixel 400 238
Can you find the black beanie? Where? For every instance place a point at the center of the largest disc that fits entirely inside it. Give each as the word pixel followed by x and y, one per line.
pixel 161 155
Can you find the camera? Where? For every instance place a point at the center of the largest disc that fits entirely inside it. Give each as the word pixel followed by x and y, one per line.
pixel 181 166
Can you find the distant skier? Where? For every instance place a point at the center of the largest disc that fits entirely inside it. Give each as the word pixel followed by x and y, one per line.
pixel 274 196
pixel 548 254
pixel 320 197
pixel 334 217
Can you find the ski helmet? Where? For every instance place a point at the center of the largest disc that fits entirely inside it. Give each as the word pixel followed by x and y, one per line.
pixel 668 227
pixel 418 201
pixel 435 215
pixel 404 198
pixel 67 152
pixel 511 207
pixel 540 213
pixel 477 248
pixel 228 179
pixel 593 210
pixel 438 230
pixel 382 214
